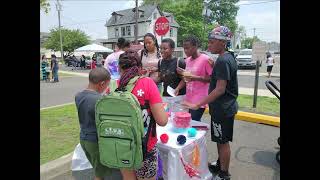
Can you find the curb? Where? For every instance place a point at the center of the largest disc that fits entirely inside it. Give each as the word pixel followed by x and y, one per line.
pixel 256 118
pixel 75 73
pixel 55 168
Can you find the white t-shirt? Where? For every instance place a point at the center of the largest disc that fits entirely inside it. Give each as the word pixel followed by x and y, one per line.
pixel 111 64
pixel 270 61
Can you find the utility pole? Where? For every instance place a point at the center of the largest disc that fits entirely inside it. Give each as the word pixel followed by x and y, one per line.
pixel 58 6
pixel 254 32
pixel 136 29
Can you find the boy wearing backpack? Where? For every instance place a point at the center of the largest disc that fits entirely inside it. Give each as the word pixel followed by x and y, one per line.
pixel 99 79
pixel 147 97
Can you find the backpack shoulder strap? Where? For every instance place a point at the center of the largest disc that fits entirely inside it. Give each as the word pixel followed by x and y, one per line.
pixel 132 83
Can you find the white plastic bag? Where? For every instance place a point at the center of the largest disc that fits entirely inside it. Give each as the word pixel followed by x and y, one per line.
pixel 79 160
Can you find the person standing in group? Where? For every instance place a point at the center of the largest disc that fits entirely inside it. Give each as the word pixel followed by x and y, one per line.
pixel 168 67
pixel 112 61
pixel 150 55
pixel 44 65
pixel 93 62
pixel 153 113
pixel 270 62
pixel 99 79
pixel 196 75
pixel 54 68
pixel 83 62
pixel 99 60
pixel 222 100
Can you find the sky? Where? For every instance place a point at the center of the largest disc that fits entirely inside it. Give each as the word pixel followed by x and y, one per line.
pixel 90 16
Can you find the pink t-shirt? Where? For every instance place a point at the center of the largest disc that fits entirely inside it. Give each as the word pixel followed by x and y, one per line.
pixel 197 90
pixel 146 90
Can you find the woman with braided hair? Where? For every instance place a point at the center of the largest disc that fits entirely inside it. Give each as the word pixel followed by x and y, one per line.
pixel 150 100
pixel 150 55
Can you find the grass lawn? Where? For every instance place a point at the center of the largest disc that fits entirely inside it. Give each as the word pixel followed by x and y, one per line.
pixel 59 132
pixel 265 105
pixel 59 127
pixel 60 74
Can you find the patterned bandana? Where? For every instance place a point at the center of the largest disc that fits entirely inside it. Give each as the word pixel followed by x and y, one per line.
pixel 221 33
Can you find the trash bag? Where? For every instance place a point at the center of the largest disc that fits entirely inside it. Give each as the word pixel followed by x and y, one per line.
pixel 79 160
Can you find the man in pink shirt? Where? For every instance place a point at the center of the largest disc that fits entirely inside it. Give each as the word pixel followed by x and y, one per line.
pixel 196 75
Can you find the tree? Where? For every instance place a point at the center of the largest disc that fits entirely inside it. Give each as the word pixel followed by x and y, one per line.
pixel 224 12
pixel 44 5
pixel 188 14
pixel 247 42
pixel 71 40
pixel 242 32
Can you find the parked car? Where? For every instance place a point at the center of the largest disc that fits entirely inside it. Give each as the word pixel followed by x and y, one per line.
pixel 244 59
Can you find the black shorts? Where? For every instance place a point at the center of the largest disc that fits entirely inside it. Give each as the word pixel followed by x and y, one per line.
pixel 269 68
pixel 222 129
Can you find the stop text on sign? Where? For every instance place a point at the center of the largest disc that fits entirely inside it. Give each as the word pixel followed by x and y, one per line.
pixel 162 26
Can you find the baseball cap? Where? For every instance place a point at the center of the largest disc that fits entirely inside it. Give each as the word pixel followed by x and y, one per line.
pixel 221 33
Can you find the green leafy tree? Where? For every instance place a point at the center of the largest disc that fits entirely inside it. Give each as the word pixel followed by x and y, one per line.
pixel 44 5
pixel 247 42
pixel 224 12
pixel 188 14
pixel 71 40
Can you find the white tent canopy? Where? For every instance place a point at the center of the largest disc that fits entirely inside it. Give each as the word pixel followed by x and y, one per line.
pixel 93 48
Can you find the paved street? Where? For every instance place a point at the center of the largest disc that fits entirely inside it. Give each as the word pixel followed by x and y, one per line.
pixel 52 94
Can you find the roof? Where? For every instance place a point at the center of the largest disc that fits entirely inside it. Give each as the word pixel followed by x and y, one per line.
pixel 127 16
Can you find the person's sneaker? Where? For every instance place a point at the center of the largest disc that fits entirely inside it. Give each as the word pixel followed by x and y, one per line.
pixel 214 167
pixel 223 176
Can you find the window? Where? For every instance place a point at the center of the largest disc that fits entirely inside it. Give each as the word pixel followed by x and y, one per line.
pixel 116 32
pixel 128 29
pixel 154 15
pixel 142 14
pixel 171 32
pixel 123 31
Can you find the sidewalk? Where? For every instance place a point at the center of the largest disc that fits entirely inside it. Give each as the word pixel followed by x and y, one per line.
pixel 253 73
pixel 242 90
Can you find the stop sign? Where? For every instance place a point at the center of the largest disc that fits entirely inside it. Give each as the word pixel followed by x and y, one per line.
pixel 162 26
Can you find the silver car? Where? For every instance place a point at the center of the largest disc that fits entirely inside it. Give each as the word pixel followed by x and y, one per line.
pixel 244 59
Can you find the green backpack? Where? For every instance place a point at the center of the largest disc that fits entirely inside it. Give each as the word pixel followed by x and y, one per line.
pixel 120 129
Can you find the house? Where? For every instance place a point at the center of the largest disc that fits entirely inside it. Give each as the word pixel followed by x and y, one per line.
pixel 122 24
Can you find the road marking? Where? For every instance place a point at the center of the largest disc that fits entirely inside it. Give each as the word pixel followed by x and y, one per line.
pixel 56 106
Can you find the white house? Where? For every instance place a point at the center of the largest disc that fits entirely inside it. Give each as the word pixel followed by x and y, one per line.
pixel 122 23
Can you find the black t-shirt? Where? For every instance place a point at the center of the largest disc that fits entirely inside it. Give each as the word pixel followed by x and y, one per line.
pixel 169 76
pixel 225 68
pixel 85 102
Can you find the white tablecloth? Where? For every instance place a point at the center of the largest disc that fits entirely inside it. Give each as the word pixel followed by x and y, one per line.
pixel 169 153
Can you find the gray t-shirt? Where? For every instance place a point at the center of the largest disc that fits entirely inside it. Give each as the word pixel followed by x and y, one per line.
pixel 85 102
pixel 225 68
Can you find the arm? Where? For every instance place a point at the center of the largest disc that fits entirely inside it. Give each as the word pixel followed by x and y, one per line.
pixel 159 114
pixel 217 92
pixel 155 101
pixel 199 78
pixel 181 85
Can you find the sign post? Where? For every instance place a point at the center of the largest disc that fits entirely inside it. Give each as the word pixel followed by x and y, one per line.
pixel 259 49
pixel 162 26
